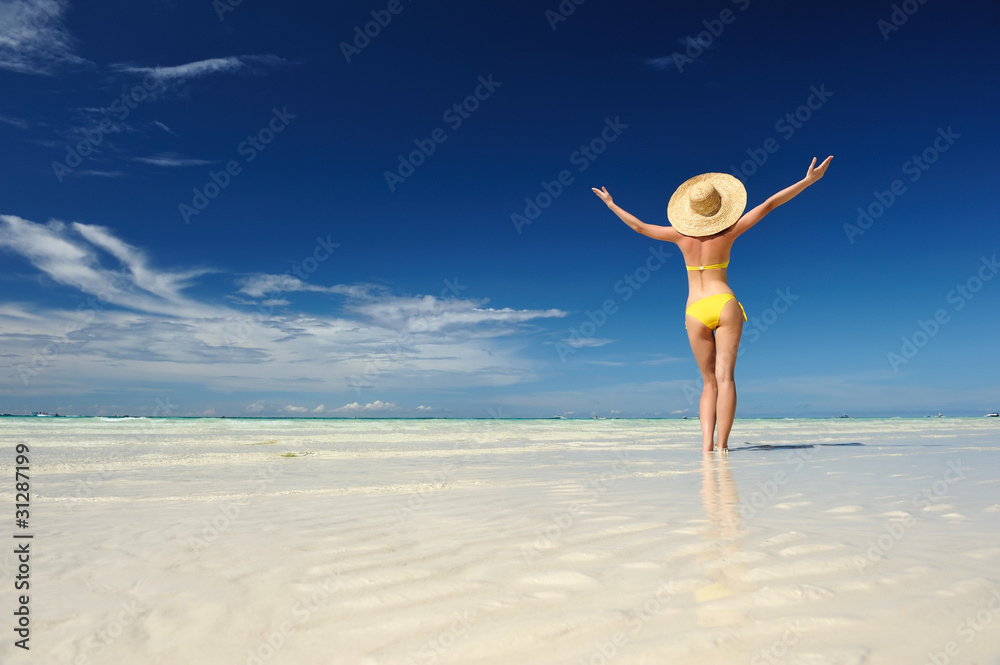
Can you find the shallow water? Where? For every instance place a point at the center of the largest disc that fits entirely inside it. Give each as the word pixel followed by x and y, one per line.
pixel 496 541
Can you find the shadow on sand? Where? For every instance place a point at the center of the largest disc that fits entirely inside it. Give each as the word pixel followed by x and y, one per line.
pixel 766 446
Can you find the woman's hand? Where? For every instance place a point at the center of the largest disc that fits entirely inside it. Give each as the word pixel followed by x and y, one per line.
pixel 816 172
pixel 603 193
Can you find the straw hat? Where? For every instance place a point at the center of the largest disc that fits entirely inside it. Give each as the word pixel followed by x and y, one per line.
pixel 706 204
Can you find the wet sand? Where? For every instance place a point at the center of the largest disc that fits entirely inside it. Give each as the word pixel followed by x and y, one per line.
pixel 206 541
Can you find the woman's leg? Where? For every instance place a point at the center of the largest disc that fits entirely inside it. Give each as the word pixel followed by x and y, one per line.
pixel 703 347
pixel 727 343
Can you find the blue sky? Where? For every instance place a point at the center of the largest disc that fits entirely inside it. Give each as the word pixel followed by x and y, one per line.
pixel 259 209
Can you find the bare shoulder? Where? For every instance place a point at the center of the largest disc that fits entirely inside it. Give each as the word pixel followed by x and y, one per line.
pixel 666 233
pixel 750 218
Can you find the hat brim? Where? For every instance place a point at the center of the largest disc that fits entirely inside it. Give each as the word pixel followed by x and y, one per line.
pixel 733 202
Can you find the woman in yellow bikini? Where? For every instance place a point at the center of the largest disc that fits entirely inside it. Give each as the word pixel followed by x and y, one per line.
pixel 706 216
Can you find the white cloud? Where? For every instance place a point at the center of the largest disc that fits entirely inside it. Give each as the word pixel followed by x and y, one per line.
pixel 319 409
pixel 680 59
pixel 582 342
pixel 135 323
pixel 427 314
pixel 295 409
pixel 661 63
pixel 661 359
pixel 162 126
pixel 260 285
pixel 201 68
pixel 33 39
pixel 173 160
pixel 58 250
pixel 101 174
pixel 372 407
pixel 14 122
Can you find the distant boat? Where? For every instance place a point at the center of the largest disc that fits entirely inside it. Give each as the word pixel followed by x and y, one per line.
pixel 844 415
pixel 42 414
pixel 993 414
pixel 939 415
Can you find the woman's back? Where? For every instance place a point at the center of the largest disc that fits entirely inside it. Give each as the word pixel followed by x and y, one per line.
pixel 708 252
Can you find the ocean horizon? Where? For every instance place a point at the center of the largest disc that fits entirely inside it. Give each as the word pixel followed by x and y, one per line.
pixel 574 418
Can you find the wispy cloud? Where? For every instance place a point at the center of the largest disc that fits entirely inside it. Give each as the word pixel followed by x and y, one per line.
pixel 101 174
pixel 33 38
pixel 257 286
pixel 14 122
pixel 173 160
pixel 68 254
pixel 668 62
pixel 429 314
pixel 245 64
pixel 586 342
pixel 162 126
pixel 137 323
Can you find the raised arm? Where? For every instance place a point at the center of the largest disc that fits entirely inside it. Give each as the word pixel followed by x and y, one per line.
pixel 668 233
pixel 750 218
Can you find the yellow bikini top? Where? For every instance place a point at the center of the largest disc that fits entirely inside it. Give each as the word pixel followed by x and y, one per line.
pixel 716 266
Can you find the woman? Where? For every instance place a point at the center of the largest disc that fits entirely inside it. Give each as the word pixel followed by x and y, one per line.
pixel 705 216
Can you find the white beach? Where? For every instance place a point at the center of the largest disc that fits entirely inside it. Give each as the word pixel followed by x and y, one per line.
pixel 175 541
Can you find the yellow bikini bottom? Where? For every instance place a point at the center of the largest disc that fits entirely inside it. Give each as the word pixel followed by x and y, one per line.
pixel 709 309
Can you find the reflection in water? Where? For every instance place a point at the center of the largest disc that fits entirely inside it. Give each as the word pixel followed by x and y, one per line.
pixel 721 560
